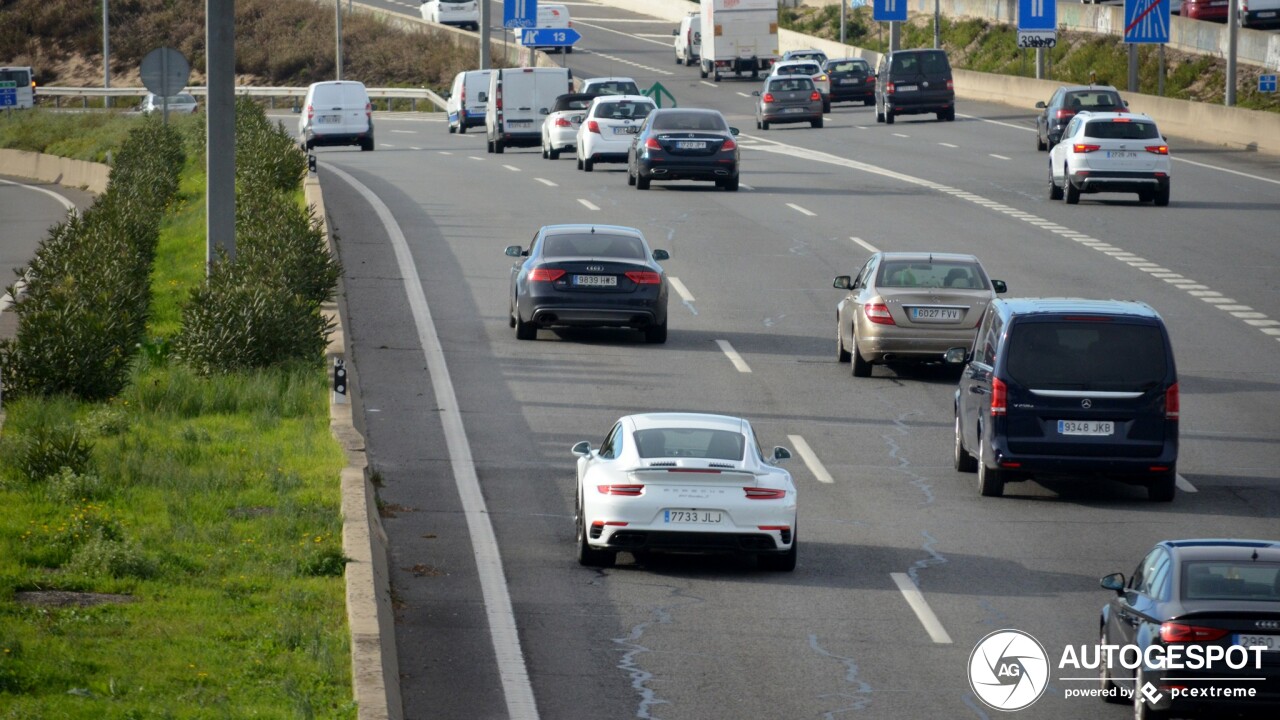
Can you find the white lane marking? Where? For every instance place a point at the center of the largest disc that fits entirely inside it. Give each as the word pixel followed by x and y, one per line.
pixel 414 147
pixel 709 84
pixel 948 145
pixel 811 459
pixel 70 206
pixel 733 356
pixel 744 94
pixel 512 168
pixel 923 612
pixel 680 289
pixel 799 209
pixel 475 157
pixel 406 132
pixel 865 244
pixel 588 204
pixel 901 135
pixel 445 152
pixel 667 43
pixel 386 145
pixel 996 122
pixel 651 21
pixel 493 584
pixel 744 186
pixel 1184 484
pixel 624 61
pixel 999 157
pixel 546 182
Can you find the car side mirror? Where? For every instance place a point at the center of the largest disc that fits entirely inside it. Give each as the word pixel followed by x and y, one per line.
pixel 842 282
pixel 660 255
pixel 582 449
pixel 733 131
pixel 544 111
pixel 675 32
pixel 755 93
pixel 1114 581
pixel 956 356
pixel 1126 103
pixel 1040 105
pixel 780 453
pixel 513 251
pixel 1000 286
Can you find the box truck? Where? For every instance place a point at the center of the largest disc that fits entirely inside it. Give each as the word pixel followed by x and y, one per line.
pixel 738 36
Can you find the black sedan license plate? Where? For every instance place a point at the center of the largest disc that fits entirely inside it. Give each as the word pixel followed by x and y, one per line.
pixel 595 280
pixel 691 144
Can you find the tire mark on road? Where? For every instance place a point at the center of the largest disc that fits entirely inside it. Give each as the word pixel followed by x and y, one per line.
pixel 859 698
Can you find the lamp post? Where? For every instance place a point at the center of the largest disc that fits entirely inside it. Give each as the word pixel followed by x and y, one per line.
pixel 337 13
pixel 106 55
pixel 937 13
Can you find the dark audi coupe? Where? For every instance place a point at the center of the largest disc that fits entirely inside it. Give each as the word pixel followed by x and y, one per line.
pixel 588 276
pixel 684 144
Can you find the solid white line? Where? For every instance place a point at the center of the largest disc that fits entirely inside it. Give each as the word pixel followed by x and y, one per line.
pixel 588 204
pixel 999 157
pixel 1184 484
pixel 680 289
pixel 666 43
pixel 865 244
pixel 70 206
pixel 512 168
pixel 1225 170
pixel 799 209
pixel 546 182
pixel 916 600
pixel 733 356
pixel 493 584
pixel 811 459
pixel 997 122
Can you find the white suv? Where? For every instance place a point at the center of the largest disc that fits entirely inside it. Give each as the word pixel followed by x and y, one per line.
pixel 1110 152
pixel 610 124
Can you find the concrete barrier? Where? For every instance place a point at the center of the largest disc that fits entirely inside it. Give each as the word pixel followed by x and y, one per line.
pixel 89 176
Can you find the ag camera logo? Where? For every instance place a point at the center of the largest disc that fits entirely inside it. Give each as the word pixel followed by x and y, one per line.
pixel 1008 670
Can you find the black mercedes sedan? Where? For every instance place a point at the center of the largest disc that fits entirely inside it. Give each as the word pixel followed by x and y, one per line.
pixel 588 276
pixel 684 144
pixel 1194 631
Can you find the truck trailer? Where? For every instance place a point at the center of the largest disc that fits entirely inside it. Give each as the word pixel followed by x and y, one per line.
pixel 738 36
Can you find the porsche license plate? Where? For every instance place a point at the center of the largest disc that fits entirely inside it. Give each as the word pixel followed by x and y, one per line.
pixel 694 517
pixel 1098 428
pixel 595 280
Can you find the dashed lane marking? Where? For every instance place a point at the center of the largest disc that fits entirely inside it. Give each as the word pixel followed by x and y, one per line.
pixel 799 209
pixel 588 204
pixel 811 459
pixel 922 610
pixel 512 168
pixel 865 244
pixel 733 356
pixel 546 182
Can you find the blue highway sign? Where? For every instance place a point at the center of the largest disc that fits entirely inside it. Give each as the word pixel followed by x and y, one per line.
pixel 519 13
pixel 889 10
pixel 1037 14
pixel 549 37
pixel 1266 83
pixel 9 96
pixel 1146 21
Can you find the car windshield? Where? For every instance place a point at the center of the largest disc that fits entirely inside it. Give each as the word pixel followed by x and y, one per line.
pixel 623 110
pixel 1121 129
pixel 601 245
pixel 791 84
pixel 706 121
pixel 1093 100
pixel 614 87
pixel 930 274
pixel 1225 580
pixel 1087 355
pixel 848 66
pixel 687 442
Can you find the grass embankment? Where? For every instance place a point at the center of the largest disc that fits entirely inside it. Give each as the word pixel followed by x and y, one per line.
pixel 975 44
pixel 201 558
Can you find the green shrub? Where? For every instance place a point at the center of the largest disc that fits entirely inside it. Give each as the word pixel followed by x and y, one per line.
pixel 104 556
pixel 327 562
pixel 71 487
pixel 46 451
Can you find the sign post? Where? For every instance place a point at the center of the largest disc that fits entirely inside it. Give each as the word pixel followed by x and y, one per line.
pixel 892 12
pixel 1038 28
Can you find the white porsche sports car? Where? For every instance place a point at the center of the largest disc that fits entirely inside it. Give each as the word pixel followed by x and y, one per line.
pixel 684 482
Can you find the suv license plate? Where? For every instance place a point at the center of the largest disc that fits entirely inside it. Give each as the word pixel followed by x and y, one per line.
pixel 930 314
pixel 595 280
pixel 691 144
pixel 849 81
pixel 697 517
pixel 1100 428
pixel 1122 154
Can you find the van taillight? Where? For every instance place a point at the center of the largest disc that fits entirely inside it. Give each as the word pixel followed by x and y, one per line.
pixel 999 396
pixel 1171 402
pixel 888 88
pixel 311 112
pixel 950 85
pixel 368 109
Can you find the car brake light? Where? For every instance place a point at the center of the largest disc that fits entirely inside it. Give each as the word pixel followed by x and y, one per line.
pixel 368 110
pixel 1084 148
pixel 878 313
pixel 728 145
pixel 1158 149
pixel 1172 403
pixel 768 97
pixel 311 112
pixel 593 126
pixel 1120 120
pixel 999 396
pixel 1064 114
pixel 653 144
pixel 545 274
pixel 644 277
pixel 815 95
pixel 563 122
pixel 950 85
pixel 764 493
pixel 888 88
pixel 1172 632
pixel 627 490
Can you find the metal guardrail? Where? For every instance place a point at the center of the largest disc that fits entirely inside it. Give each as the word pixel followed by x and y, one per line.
pixel 293 94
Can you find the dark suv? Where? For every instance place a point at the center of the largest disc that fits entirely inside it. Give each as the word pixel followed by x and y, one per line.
pixel 912 82
pixel 1068 387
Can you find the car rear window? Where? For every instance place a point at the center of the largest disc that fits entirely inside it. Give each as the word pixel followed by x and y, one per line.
pixel 852 66
pixel 800 69
pixel 1121 129
pixel 930 63
pixel 1094 100
pixel 614 88
pixel 623 110
pixel 1225 580
pixel 690 121
pixel 790 84
pixel 930 274
pixel 1087 355
pixel 602 245
pixel 686 442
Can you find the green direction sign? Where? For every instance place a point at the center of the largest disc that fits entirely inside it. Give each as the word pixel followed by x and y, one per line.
pixel 8 84
pixel 657 92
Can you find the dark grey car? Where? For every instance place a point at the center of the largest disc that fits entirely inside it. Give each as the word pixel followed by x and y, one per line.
pixel 788 99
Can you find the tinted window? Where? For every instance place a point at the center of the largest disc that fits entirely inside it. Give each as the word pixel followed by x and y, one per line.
pixel 624 247
pixel 20 78
pixel 612 445
pixel 799 69
pixel 614 88
pixel 1068 355
pixel 988 338
pixel 690 121
pixel 683 442
pixel 1251 580
pixel 925 274
pixel 1100 100
pixel 790 84
pixel 848 66
pixel 623 110
pixel 1121 130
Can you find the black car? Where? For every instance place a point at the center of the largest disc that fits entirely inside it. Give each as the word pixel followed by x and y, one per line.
pixel 1068 387
pixel 588 276
pixel 1191 599
pixel 851 80
pixel 1066 102
pixel 914 82
pixel 684 144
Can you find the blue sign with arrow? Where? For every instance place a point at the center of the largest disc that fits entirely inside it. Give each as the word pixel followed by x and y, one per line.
pixel 519 13
pixel 889 10
pixel 1146 21
pixel 549 37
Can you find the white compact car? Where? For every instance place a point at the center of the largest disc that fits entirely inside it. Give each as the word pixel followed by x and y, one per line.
pixel 606 132
pixel 459 13
pixel 813 69
pixel 560 128
pixel 180 103
pixel 684 482
pixel 1110 152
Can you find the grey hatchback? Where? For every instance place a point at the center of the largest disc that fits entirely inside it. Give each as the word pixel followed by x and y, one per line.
pixel 788 99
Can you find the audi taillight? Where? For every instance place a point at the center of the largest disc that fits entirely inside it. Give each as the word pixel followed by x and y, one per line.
pixel 1172 403
pixel 1084 148
pixel 1158 149
pixel 728 145
pixel 764 493
pixel 1172 632
pixel 644 277
pixel 625 490
pixel 1064 114
pixel 878 313
pixel 563 122
pixel 999 396
pixel 545 274
pixel 815 95
pixel 653 144
pixel 768 97
pixel 593 126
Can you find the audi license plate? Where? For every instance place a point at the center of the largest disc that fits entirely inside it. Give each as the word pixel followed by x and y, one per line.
pixel 325 119
pixel 695 517
pixel 1099 428
pixel 1270 642
pixel 931 314
pixel 1122 154
pixel 691 144
pixel 595 280
pixel 904 88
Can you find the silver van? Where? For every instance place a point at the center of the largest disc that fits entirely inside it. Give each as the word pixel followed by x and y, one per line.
pixel 519 100
pixel 336 112
pixel 467 98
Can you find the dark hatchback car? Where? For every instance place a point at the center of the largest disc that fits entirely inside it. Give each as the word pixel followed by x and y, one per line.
pixel 1066 102
pixel 1202 597
pixel 851 80
pixel 684 144
pixel 588 276
pixel 1068 387
pixel 914 82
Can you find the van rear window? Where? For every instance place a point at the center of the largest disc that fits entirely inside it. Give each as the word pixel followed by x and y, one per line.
pixel 1106 356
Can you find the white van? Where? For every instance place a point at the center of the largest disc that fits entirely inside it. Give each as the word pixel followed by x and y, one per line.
pixel 19 79
pixel 519 99
pixel 689 39
pixel 465 104
pixel 336 112
pixel 458 13
pixel 549 16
